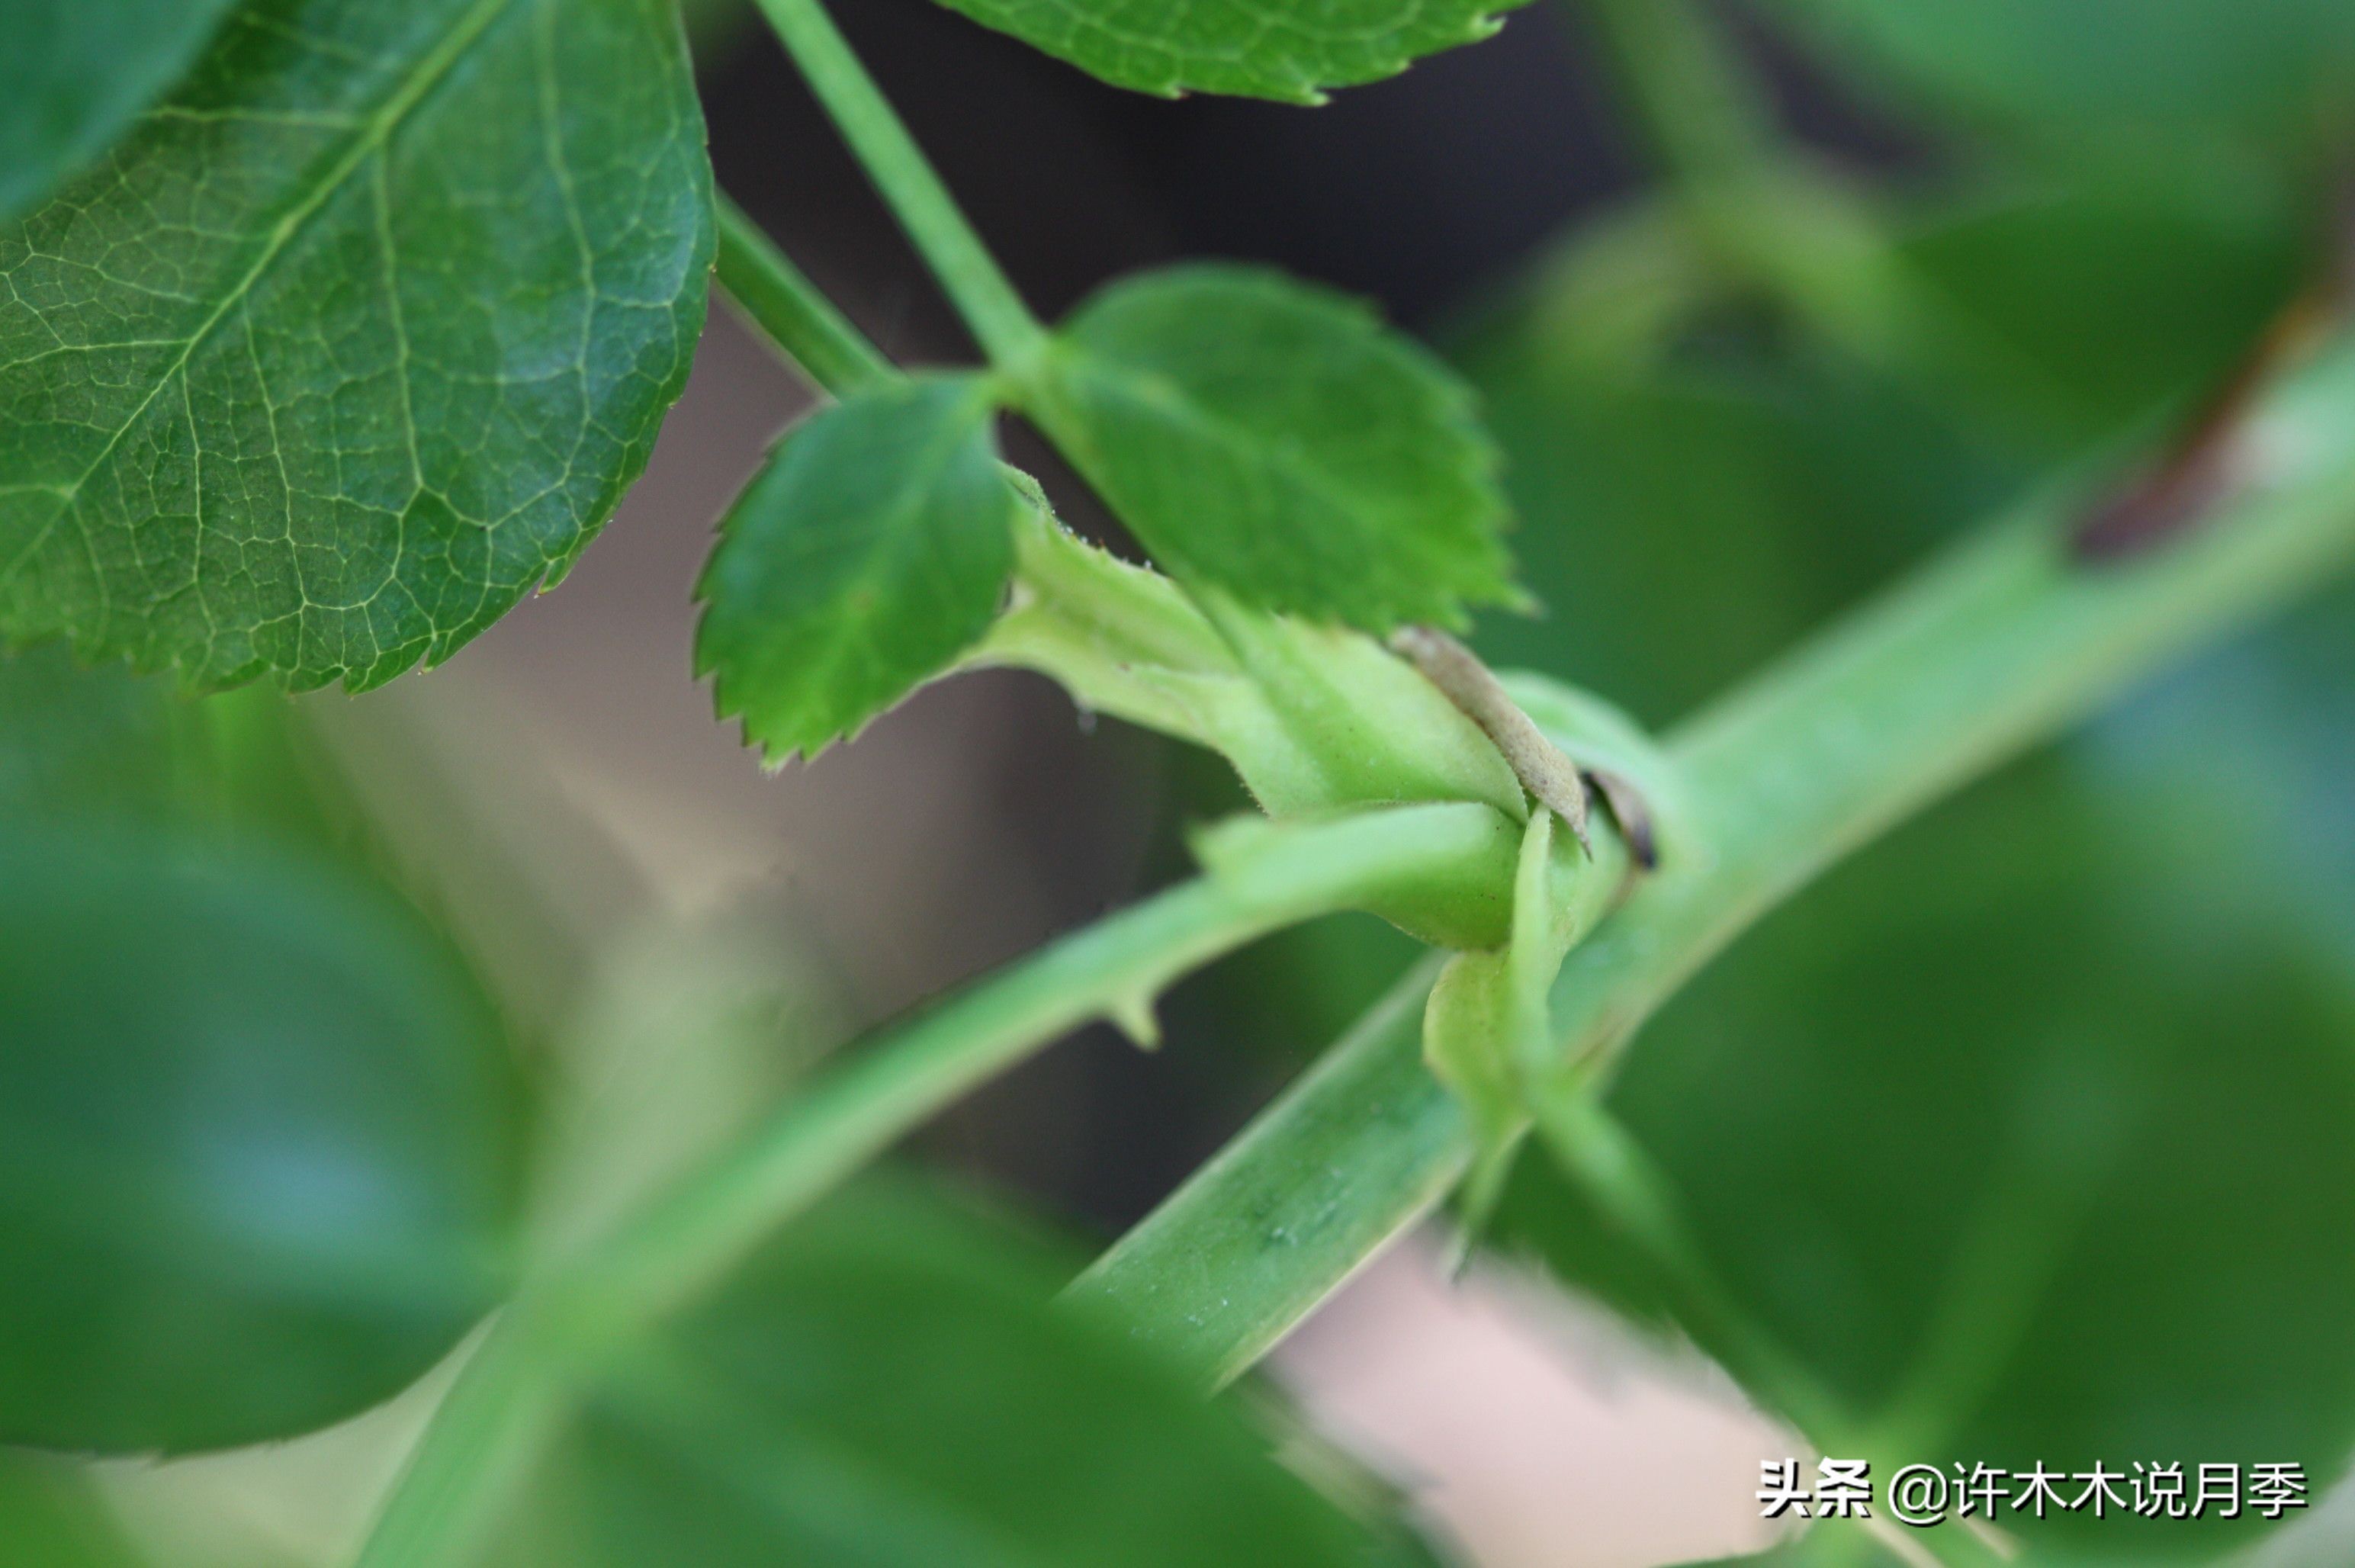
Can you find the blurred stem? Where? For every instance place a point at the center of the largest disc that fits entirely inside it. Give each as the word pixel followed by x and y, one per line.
pixel 2000 644
pixel 706 1224
pixel 1614 291
pixel 1769 211
pixel 1009 334
pixel 485 1434
pixel 792 312
pixel 1706 116
pixel 2006 1257
pixel 1848 1543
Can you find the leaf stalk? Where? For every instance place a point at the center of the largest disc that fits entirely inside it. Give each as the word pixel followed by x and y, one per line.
pixel 793 312
pixel 1009 335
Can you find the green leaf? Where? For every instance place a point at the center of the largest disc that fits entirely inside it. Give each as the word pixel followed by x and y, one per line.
pixel 1277 441
pixel 51 1517
pixel 891 1385
pixel 357 342
pixel 2279 72
pixel 1290 51
pixel 255 1133
pixel 2031 1136
pixel 75 74
pixel 871 550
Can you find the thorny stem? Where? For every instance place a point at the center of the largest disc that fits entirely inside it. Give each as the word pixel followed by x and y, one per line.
pixel 712 1218
pixel 1706 116
pixel 1110 970
pixel 1360 1146
pixel 2000 643
pixel 1009 335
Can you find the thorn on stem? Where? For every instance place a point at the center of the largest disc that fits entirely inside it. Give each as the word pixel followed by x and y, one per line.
pixel 1133 1017
pixel 1632 811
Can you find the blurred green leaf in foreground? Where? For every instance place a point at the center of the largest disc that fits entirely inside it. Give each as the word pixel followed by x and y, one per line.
pixel 257 1120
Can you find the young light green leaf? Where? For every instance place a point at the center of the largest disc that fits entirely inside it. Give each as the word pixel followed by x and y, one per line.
pixel 1275 440
pixel 1487 1017
pixel 1484 1003
pixel 255 1146
pixel 1288 52
pixel 871 550
pixel 355 341
pixel 76 71
pixel 1467 1042
pixel 891 1385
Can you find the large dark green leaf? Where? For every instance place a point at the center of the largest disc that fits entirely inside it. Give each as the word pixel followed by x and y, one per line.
pixel 2260 738
pixel 871 550
pixel 2032 1133
pixel 74 74
pixel 356 341
pixel 890 1387
pixel 255 1139
pixel 1290 51
pixel 1277 442
pixel 2278 71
